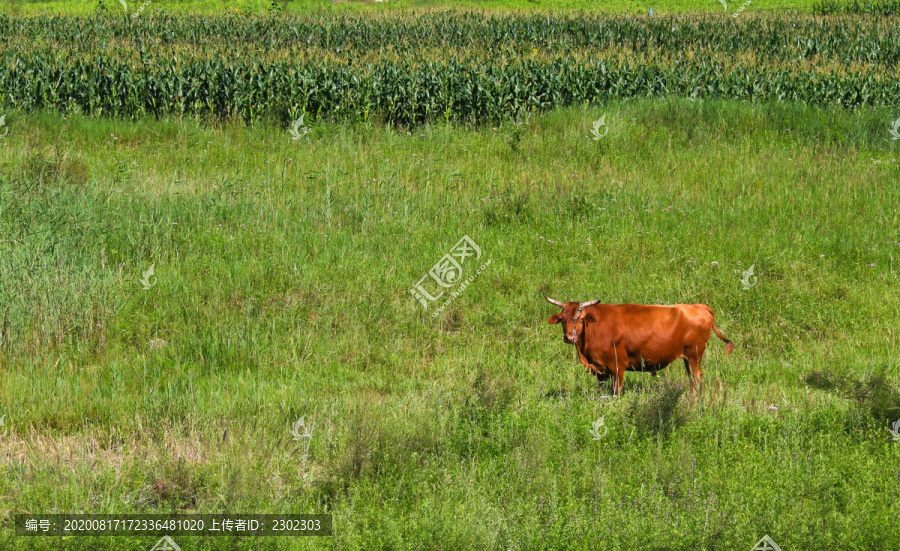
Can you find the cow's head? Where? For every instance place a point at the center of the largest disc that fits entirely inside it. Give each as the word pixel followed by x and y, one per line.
pixel 571 317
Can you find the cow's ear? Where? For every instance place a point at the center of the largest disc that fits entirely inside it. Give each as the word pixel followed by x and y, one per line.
pixel 554 319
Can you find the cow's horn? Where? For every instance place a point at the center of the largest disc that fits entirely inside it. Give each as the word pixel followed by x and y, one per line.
pixel 589 303
pixel 556 302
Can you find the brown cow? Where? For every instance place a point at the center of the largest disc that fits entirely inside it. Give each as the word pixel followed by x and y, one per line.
pixel 614 338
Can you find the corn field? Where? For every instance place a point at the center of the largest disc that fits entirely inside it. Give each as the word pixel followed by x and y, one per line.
pixel 454 66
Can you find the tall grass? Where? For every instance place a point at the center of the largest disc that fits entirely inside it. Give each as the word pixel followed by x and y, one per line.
pixel 89 7
pixel 281 290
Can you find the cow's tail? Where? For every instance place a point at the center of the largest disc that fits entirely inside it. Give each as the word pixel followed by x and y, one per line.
pixel 729 346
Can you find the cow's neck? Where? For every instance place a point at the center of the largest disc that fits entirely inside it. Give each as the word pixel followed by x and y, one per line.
pixel 583 353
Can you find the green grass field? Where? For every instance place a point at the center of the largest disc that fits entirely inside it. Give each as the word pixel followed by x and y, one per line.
pixel 642 7
pixel 187 270
pixel 281 290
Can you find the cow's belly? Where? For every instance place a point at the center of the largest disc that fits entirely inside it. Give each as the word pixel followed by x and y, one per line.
pixel 605 364
pixel 604 372
pixel 647 367
pixel 600 370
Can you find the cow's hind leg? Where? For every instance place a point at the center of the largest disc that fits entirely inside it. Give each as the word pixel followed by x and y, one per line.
pixel 694 371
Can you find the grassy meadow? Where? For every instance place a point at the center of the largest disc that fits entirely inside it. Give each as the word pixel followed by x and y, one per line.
pixel 679 8
pixel 189 269
pixel 612 7
pixel 282 271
